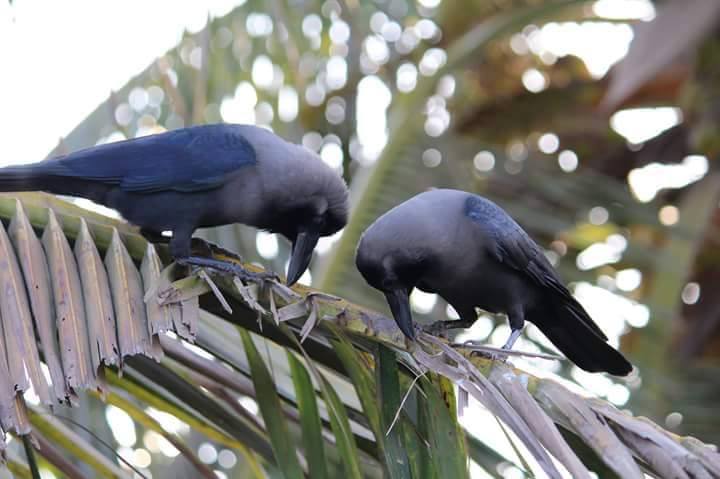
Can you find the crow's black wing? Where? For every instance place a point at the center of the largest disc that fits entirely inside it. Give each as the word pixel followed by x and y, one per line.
pixel 512 246
pixel 189 159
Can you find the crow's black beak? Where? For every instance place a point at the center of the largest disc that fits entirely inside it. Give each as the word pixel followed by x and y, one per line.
pixel 302 251
pixel 399 302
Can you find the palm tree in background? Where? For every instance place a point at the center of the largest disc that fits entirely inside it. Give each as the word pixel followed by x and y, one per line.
pixel 399 97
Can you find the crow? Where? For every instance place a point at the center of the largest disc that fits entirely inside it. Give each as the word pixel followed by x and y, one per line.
pixel 202 176
pixel 473 254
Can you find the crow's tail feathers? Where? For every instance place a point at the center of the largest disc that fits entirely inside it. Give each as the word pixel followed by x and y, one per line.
pixel 21 178
pixel 574 333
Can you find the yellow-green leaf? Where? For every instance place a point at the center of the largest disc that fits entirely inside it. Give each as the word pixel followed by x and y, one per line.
pixel 284 450
pixel 396 453
pixel 341 428
pixel 309 419
pixel 449 459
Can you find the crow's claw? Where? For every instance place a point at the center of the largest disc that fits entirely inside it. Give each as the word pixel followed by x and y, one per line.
pixel 438 328
pixel 226 267
pixel 210 249
pixel 441 328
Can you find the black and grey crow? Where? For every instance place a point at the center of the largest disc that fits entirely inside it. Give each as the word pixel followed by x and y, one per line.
pixel 469 251
pixel 202 176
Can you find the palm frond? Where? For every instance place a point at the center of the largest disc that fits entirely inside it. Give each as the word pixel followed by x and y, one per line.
pixel 248 347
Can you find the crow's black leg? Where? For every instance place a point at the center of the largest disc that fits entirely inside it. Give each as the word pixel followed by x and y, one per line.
pixel 440 328
pixel 198 246
pixel 210 249
pixel 181 250
pixel 517 321
pixel 468 316
pixel 514 335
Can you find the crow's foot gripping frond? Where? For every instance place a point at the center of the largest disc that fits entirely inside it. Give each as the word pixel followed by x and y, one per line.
pixel 438 328
pixel 201 247
pixel 226 267
pixel 198 246
pixel 500 356
pixel 514 335
pixel 441 328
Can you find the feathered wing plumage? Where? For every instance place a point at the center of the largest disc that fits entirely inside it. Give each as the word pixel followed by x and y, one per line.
pixel 187 160
pixel 560 317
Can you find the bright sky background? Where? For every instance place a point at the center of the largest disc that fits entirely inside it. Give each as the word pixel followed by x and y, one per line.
pixel 60 59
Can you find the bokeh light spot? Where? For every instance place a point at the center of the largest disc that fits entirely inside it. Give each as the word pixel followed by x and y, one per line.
pixel 628 279
pixel 312 140
pixel 429 3
pixel 262 71
pixel 598 215
pixel 669 215
pixel 691 293
pixel 638 125
pixel 259 24
pixel 336 69
pixel 548 143
pixel 432 61
pixel 332 155
pixel 121 425
pixel 288 104
pixel 646 182
pixel 673 420
pixel 141 458
pixel 625 9
pixel 406 77
pixel 568 161
pixel 312 25
pixel 339 32
pixel 533 80
pixel 123 114
pixel 335 110
pixel 207 453
pixel 431 158
pixel 484 161
pixel 227 459
pixel 139 99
